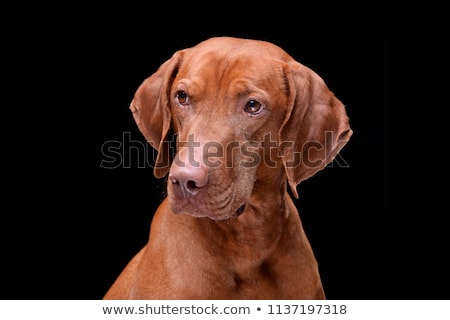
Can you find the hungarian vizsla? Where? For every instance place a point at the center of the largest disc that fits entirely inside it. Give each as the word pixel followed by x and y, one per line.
pixel 249 120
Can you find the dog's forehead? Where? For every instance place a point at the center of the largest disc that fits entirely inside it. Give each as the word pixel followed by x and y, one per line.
pixel 224 56
pixel 233 45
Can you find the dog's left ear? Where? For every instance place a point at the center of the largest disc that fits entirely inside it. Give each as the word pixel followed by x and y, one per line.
pixel 316 126
pixel 151 110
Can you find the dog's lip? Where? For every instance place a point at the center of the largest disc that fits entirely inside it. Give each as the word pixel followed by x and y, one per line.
pixel 191 208
pixel 240 210
pixel 236 213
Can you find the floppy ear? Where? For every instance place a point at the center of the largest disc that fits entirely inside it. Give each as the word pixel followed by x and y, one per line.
pixel 151 111
pixel 316 126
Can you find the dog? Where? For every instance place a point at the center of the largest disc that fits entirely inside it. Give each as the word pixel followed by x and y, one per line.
pixel 250 122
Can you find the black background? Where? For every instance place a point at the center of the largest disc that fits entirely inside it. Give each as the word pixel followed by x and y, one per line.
pixel 74 225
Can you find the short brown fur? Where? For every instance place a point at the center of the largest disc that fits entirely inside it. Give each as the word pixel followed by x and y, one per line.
pixel 228 228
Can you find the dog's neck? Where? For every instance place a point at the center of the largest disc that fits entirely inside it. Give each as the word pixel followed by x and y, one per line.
pixel 244 247
pixel 255 234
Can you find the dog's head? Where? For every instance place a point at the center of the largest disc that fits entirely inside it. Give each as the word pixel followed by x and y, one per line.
pixel 246 116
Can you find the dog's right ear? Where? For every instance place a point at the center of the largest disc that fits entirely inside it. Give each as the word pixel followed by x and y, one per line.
pixel 151 110
pixel 317 125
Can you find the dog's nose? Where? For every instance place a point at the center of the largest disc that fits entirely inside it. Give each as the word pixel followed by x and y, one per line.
pixel 188 178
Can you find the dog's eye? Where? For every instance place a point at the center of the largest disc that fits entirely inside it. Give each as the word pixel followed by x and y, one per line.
pixel 182 98
pixel 253 107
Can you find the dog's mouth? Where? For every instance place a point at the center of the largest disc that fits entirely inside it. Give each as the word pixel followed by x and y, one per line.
pixel 239 210
pixel 215 201
pixel 234 215
pixel 200 210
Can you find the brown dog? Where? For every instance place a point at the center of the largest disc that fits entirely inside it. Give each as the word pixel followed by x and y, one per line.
pixel 248 119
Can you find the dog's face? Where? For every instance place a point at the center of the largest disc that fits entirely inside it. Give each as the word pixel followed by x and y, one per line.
pixel 223 101
pixel 243 112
